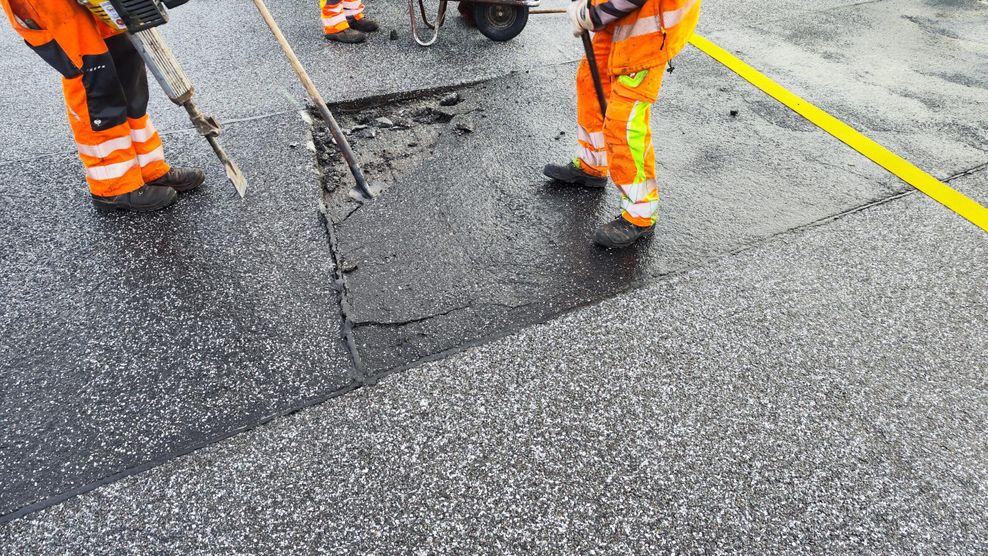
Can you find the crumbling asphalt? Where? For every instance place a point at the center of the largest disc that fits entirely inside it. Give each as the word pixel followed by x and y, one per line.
pixel 889 464
pixel 479 244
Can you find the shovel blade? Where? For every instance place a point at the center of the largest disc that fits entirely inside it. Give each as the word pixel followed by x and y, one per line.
pixel 236 177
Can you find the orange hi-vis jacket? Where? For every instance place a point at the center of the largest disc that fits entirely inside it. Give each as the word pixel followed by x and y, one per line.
pixel 646 33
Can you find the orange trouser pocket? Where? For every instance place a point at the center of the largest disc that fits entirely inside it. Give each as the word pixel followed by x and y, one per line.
pixel 630 151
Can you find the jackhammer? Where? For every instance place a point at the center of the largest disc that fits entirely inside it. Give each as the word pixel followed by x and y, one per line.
pixel 139 18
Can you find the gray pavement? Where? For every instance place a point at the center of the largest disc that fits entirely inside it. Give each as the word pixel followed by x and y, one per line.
pixel 776 389
pixel 126 340
pixel 820 393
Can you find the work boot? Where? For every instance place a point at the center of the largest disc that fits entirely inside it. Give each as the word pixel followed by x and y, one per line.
pixel 572 174
pixel 620 233
pixel 180 179
pixel 363 25
pixel 349 36
pixel 145 199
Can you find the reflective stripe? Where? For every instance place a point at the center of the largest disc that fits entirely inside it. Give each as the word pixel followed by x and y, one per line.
pixel 352 5
pixel 104 149
pixel 649 25
pixel 625 6
pixel 633 80
pixel 638 192
pixel 596 138
pixel 333 21
pixel 642 210
pixel 143 134
pixel 637 133
pixel 153 156
pixel 643 26
pixel 111 171
pixel 673 17
pixel 592 157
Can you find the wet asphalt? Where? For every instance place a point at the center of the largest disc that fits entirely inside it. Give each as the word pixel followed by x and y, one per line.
pixel 821 393
pixel 862 432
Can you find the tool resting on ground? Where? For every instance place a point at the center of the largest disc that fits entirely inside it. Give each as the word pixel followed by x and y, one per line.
pixel 334 128
pixel 140 19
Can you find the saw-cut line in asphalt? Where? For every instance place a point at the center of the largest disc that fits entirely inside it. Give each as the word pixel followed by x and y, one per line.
pixel 906 171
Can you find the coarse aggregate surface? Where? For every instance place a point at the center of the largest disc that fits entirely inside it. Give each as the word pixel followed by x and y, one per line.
pixel 125 339
pixel 820 393
pixel 884 452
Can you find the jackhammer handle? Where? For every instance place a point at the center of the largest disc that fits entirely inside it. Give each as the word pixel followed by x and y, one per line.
pixel 310 88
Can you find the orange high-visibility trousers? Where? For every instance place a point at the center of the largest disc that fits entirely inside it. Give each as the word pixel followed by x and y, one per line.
pixel 106 92
pixel 336 12
pixel 621 143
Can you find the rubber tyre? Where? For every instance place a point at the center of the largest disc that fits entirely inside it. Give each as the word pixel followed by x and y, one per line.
pixel 499 22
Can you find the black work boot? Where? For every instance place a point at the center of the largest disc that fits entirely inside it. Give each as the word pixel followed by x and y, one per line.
pixel 363 25
pixel 571 174
pixel 145 199
pixel 349 36
pixel 180 179
pixel 620 233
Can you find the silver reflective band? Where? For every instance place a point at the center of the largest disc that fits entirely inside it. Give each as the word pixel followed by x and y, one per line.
pixel 672 18
pixel 596 138
pixel 143 134
pixel 333 21
pixel 153 156
pixel 104 149
pixel 111 171
pixel 648 25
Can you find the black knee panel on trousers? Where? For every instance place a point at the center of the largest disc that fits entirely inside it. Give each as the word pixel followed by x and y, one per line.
pixel 104 93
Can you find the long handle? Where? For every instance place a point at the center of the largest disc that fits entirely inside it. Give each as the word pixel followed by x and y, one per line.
pixel 310 88
pixel 595 73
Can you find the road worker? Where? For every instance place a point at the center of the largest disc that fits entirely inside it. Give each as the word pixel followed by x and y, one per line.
pixel 106 95
pixel 633 40
pixel 344 21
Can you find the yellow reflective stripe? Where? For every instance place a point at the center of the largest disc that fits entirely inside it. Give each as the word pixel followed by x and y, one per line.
pixel 633 80
pixel 104 149
pixel 906 171
pixel 637 131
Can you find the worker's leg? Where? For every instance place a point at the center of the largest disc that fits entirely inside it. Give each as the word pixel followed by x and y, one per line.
pixel 333 16
pixel 335 24
pixel 628 134
pixel 134 81
pixel 591 156
pixel 354 11
pixel 65 35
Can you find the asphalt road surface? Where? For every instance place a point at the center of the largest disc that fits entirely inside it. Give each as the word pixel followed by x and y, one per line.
pixel 795 363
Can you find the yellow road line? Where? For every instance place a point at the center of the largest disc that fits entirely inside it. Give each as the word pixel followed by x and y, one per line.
pixel 936 189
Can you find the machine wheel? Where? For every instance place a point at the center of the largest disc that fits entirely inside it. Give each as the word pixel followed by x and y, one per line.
pixel 498 22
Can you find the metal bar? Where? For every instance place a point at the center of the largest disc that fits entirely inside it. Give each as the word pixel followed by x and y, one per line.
pixel 310 88
pixel 594 72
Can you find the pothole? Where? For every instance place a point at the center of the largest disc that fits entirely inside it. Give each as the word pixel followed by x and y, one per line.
pixel 388 140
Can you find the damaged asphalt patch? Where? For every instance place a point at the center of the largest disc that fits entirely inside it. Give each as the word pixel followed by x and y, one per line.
pixel 468 241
